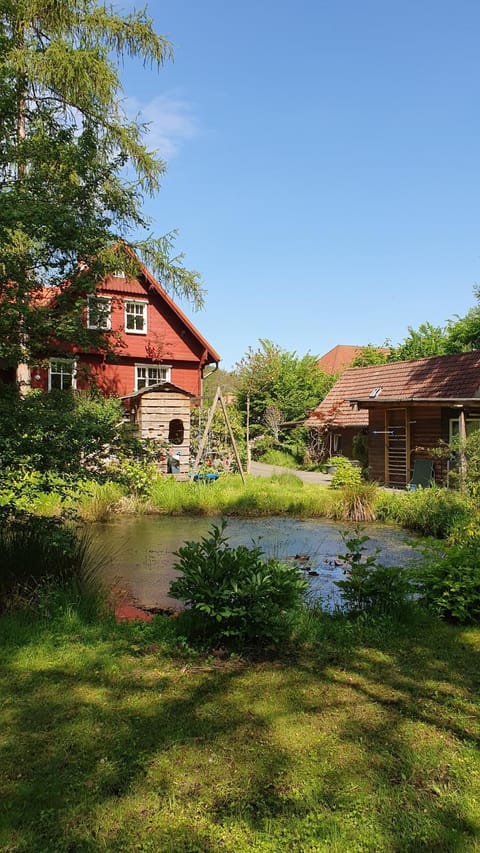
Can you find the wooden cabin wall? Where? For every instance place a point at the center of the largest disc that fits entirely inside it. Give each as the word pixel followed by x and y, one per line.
pixel 155 411
pixel 376 446
pixel 426 431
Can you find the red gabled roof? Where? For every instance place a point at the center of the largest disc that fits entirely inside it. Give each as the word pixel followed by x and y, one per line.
pixel 133 286
pixel 448 378
pixel 211 355
pixel 341 356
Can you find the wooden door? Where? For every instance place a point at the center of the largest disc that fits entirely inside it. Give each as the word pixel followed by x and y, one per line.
pixel 396 448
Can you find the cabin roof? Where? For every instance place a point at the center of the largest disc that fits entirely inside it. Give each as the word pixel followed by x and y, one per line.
pixel 442 379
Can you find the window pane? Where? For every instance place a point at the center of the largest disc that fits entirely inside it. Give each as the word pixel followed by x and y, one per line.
pixel 62 374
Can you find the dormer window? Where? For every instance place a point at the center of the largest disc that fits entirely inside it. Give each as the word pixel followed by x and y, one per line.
pixel 136 317
pixel 119 274
pixel 99 312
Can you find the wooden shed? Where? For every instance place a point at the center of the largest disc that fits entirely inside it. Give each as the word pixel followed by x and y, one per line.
pixel 409 409
pixel 162 412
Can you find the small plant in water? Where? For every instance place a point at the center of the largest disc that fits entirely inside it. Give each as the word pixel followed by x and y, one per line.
pixel 369 585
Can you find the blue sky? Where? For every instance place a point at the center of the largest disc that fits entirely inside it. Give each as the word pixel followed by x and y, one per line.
pixel 322 164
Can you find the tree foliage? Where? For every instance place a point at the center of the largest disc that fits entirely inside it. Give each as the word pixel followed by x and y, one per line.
pixel 273 377
pixel 464 332
pixel 369 356
pixel 73 168
pixel 426 341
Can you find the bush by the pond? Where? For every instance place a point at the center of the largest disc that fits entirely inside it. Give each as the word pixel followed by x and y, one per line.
pixel 44 562
pixel 430 512
pixel 345 472
pixel 370 586
pixel 447 579
pixel 233 595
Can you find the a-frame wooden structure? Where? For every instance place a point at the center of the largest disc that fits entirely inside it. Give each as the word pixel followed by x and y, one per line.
pixel 218 399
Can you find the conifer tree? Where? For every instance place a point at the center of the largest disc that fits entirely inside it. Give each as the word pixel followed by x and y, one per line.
pixel 74 169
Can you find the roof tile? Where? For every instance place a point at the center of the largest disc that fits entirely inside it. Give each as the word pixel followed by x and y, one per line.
pixel 448 377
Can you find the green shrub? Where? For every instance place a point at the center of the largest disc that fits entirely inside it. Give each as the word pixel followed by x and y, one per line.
pixel 136 476
pixel 370 586
pixel 345 473
pixel 448 579
pixel 233 595
pixel 430 512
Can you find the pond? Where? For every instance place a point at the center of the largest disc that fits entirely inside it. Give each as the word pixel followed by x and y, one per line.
pixel 140 550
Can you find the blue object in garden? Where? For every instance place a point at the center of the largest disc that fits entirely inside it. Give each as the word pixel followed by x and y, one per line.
pixel 206 478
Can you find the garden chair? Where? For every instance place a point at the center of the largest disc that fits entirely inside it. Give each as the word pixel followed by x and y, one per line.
pixel 422 475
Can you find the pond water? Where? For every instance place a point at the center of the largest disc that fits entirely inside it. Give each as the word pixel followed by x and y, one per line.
pixel 140 550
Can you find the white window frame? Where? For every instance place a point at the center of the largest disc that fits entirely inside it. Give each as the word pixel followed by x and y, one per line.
pixel 452 433
pixel 71 372
pixel 144 304
pixel 119 274
pixel 107 314
pixel 151 380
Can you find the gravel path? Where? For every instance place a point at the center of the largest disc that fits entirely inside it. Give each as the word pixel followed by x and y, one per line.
pixel 259 469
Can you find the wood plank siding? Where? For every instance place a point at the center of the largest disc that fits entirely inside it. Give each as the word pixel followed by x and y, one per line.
pixel 164 415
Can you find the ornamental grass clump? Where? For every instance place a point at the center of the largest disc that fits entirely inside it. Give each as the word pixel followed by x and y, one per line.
pixel 356 502
pixel 45 564
pixel 234 597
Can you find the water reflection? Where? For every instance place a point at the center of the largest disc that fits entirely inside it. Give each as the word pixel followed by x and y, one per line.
pixel 141 550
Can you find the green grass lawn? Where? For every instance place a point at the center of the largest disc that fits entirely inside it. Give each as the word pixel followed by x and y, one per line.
pixel 364 739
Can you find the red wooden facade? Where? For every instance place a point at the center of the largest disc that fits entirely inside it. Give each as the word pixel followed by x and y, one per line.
pixel 157 343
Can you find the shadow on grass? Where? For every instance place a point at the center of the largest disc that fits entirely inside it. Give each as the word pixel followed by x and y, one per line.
pixel 107 744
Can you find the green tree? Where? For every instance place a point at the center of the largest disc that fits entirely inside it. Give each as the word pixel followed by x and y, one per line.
pixel 73 168
pixel 370 355
pixel 271 377
pixel 463 333
pixel 423 342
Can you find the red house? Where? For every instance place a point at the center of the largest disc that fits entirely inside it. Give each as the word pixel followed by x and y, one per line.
pixel 157 342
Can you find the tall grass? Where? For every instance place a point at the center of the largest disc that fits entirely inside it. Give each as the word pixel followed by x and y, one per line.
pixel 260 496
pixel 100 501
pixel 356 502
pixel 45 564
pixel 430 512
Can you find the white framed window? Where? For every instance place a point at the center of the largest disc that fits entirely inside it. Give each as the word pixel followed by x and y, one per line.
pixel 151 374
pixel 62 374
pixel 99 312
pixel 119 274
pixel 136 316
pixel 471 424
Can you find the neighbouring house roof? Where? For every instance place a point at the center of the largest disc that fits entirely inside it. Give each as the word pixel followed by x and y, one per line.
pixel 341 356
pixel 445 378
